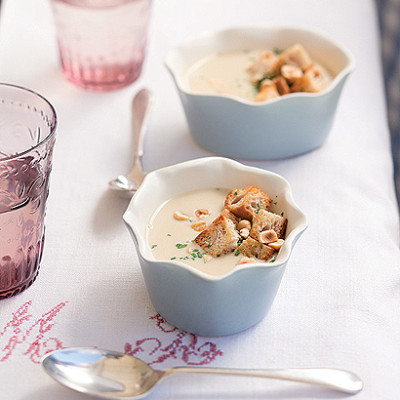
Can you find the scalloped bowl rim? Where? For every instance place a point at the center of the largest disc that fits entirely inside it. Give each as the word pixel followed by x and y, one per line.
pixel 289 97
pixel 284 253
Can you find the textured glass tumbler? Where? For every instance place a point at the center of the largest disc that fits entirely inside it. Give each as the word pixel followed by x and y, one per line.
pixel 27 135
pixel 102 43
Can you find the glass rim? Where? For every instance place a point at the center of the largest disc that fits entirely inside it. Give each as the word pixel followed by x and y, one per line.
pixel 47 137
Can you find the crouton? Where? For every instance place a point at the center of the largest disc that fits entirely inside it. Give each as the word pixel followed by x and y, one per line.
pixel 281 85
pixel 245 203
pixel 253 248
pixel 314 80
pixel 291 73
pixel 295 55
pixel 264 221
pixel 267 92
pixel 262 67
pixel 221 236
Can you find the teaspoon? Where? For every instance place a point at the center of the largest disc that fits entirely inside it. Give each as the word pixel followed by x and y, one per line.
pixel 110 374
pixel 141 107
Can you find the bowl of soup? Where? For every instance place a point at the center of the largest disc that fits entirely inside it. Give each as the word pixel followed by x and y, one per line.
pixel 260 92
pixel 213 238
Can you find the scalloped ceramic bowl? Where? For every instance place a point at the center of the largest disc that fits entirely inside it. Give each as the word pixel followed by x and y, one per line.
pixel 190 299
pixel 287 126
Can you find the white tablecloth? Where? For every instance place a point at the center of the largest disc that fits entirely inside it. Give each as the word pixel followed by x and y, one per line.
pixel 339 302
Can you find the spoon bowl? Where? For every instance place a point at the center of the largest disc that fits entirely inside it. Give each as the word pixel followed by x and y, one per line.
pixel 110 374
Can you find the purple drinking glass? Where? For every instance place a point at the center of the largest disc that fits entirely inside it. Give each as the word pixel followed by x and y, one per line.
pixel 27 135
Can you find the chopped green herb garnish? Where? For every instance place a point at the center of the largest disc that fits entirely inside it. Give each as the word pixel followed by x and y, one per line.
pixel 168 234
pixel 237 252
pixel 181 246
pixel 154 245
pixel 272 259
pixel 173 258
pixel 236 193
pixel 277 51
pixel 265 77
pixel 282 213
pixel 196 254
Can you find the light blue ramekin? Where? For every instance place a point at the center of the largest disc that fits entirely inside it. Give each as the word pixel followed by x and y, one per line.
pixel 190 299
pixel 287 126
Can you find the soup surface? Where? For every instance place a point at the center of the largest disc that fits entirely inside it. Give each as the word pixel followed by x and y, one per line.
pixel 224 73
pixel 172 239
pixel 257 74
pixel 215 229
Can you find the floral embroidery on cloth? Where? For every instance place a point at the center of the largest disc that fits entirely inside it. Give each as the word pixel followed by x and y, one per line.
pixel 186 347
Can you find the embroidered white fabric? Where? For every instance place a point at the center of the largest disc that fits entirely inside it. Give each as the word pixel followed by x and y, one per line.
pixel 338 305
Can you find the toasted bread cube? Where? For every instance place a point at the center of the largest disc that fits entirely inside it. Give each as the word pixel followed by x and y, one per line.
pixel 264 221
pixel 228 214
pixel 253 248
pixel 281 85
pixel 263 66
pixel 267 92
pixel 295 55
pixel 245 203
pixel 314 80
pixel 221 237
pixel 291 72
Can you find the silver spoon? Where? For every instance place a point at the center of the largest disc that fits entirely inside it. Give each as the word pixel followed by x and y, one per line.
pixel 110 374
pixel 141 107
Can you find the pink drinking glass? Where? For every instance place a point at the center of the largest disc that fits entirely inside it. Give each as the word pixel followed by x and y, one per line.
pixel 102 43
pixel 27 135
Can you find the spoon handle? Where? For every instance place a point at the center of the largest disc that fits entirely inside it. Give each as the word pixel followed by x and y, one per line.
pixel 141 106
pixel 343 381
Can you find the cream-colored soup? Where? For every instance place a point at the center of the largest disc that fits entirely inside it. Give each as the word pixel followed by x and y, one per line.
pixel 257 75
pixel 172 239
pixel 223 73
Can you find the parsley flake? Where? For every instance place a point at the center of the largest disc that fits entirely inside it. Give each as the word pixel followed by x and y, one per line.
pixel 265 77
